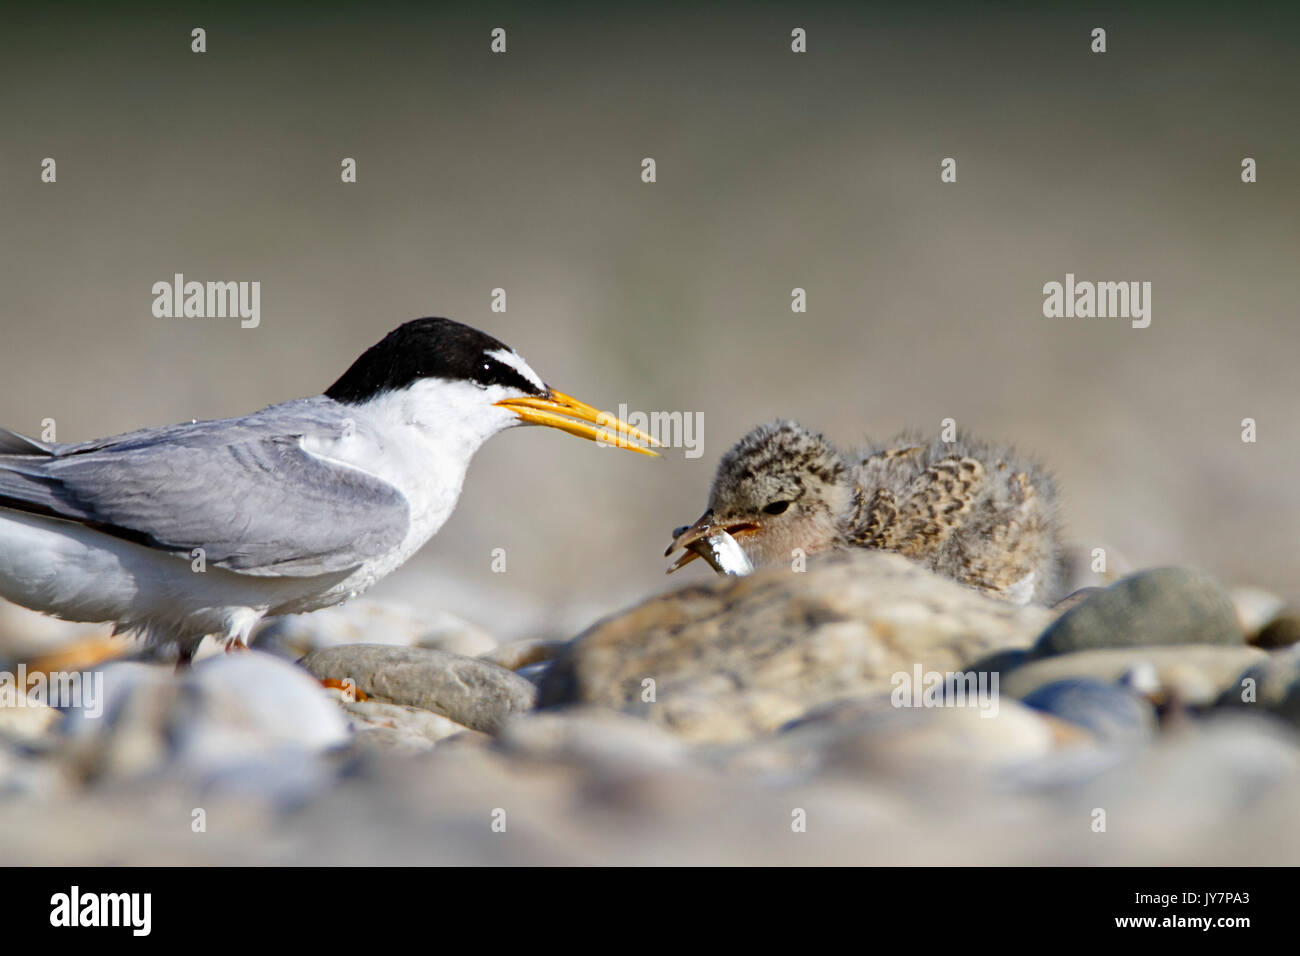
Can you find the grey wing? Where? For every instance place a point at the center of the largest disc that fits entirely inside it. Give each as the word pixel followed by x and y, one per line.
pixel 257 505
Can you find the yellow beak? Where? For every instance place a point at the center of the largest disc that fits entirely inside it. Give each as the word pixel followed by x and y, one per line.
pixel 578 418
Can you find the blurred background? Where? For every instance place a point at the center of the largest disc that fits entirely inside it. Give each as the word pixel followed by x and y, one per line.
pixel 774 171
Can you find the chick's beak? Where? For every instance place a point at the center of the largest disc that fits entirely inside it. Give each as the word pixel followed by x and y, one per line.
pixel 561 411
pixel 687 536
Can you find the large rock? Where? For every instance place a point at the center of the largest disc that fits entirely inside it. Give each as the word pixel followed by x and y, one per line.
pixel 471 692
pixel 1157 607
pixel 733 658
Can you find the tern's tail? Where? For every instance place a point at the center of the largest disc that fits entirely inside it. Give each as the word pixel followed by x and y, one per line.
pixel 12 443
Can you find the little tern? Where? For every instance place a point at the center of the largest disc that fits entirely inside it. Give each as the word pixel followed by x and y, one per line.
pixel 204 528
pixel 981 514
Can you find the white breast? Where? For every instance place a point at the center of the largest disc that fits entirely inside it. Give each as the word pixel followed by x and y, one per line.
pixel 419 440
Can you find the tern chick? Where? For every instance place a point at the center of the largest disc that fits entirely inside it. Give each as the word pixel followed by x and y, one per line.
pixel 978 513
pixel 205 528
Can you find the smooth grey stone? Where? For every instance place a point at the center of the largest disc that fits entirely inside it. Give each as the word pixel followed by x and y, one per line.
pixel 1113 713
pixel 1151 608
pixel 252 703
pixel 472 692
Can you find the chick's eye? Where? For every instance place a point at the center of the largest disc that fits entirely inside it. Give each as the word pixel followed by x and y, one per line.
pixel 776 507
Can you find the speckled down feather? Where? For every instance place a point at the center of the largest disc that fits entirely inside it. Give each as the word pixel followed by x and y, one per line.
pixel 982 514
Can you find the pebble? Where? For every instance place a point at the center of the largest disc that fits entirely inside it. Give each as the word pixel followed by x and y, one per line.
pixel 129 734
pixel 371 622
pixel 1151 608
pixel 1282 631
pixel 1271 684
pixel 23 774
pixel 1196 673
pixel 397 726
pixel 1255 607
pixel 228 710
pixel 1110 712
pixel 932 741
pixel 31 724
pixel 592 736
pixel 247 701
pixel 471 692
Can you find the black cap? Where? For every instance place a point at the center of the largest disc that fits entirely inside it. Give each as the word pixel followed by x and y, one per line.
pixel 427 348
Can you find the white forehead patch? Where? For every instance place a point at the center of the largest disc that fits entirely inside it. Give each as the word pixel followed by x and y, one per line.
pixel 516 362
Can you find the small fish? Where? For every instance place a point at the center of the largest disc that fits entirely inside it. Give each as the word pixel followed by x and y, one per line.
pixel 720 550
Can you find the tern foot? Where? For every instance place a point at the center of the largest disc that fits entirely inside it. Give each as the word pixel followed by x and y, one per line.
pixel 355 693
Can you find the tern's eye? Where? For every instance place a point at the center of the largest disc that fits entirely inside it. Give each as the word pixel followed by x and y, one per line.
pixel 776 507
